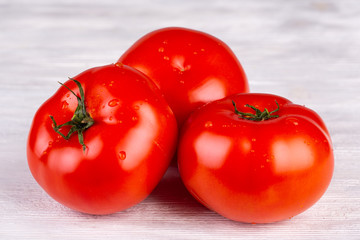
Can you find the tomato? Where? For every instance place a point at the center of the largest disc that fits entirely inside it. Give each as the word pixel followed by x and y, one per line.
pixel 190 67
pixel 262 162
pixel 124 136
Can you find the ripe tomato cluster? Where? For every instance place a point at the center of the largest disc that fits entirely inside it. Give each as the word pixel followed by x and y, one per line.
pixel 104 140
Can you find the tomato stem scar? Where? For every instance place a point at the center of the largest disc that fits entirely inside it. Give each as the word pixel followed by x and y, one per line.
pixel 81 119
pixel 259 115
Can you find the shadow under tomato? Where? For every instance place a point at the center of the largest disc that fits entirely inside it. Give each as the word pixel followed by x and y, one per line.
pixel 172 192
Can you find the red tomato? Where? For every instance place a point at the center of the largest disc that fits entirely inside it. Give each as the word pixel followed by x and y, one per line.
pixel 256 169
pixel 190 67
pixel 129 135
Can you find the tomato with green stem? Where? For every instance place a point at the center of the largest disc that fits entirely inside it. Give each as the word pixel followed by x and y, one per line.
pixel 190 67
pixel 255 158
pixel 126 137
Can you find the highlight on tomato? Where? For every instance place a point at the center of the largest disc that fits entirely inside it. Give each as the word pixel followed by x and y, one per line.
pixel 256 158
pixel 103 141
pixel 190 67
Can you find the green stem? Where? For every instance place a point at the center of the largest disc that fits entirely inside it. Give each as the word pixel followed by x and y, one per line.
pixel 81 119
pixel 259 115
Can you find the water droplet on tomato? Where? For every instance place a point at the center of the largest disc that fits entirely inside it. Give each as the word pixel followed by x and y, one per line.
pixel 134 118
pixel 114 102
pixel 208 124
pixel 118 64
pixel 166 58
pixel 122 155
pixel 293 121
pixel 136 107
pixel 253 139
pixel 64 105
pixel 161 49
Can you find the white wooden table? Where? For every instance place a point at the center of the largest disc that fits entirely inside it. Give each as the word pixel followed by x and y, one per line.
pixel 307 51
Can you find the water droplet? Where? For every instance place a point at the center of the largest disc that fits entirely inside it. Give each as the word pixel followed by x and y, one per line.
pixel 262 166
pixel 122 155
pixel 267 160
pixel 64 105
pixel 114 102
pixel 195 53
pixel 253 139
pixel 161 49
pixel 166 58
pixel 50 143
pixel 134 118
pixel 252 150
pixel 203 50
pixel 293 121
pixel 182 81
pixel 136 107
pixel 110 85
pixel 118 64
pixel 208 124
pixel 110 118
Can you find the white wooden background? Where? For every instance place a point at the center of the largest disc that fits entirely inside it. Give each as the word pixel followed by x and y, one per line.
pixel 307 51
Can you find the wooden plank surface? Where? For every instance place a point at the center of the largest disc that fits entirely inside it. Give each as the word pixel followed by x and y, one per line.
pixel 307 51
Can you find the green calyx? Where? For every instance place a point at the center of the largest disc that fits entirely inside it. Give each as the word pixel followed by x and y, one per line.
pixel 81 119
pixel 259 115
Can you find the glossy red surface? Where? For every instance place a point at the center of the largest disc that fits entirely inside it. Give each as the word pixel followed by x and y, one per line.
pixel 190 67
pixel 251 171
pixel 128 149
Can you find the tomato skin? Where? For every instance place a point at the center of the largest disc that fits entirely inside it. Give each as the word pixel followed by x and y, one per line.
pixel 190 67
pixel 255 172
pixel 128 149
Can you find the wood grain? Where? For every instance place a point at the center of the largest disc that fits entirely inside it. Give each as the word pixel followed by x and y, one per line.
pixel 307 51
